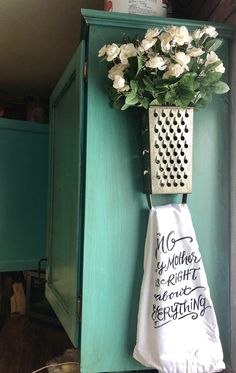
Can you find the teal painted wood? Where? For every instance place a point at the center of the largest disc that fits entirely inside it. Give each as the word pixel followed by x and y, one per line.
pixel 116 210
pixel 101 18
pixel 23 194
pixel 64 233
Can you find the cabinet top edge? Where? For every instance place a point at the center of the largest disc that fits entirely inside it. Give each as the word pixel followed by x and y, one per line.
pixel 99 17
pixel 22 125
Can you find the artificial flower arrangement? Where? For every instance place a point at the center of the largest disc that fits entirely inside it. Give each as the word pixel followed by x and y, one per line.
pixel 169 67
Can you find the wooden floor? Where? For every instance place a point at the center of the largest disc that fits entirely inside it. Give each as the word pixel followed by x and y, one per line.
pixel 27 345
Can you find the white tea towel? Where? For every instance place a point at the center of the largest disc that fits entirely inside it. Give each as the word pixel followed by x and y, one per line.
pixel 177 329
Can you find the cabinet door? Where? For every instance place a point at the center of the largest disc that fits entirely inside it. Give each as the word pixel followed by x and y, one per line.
pixel 64 228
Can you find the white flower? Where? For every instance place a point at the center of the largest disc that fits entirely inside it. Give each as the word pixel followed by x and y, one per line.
pixel 152 33
pixel 182 59
pixel 119 84
pixel 156 63
pixel 195 52
pixel 180 35
pixel 112 51
pixel 102 51
pixel 211 58
pixel 117 69
pixel 210 31
pixel 127 51
pixel 220 69
pixel 147 44
pixel 173 70
pixel 197 34
pixel 165 38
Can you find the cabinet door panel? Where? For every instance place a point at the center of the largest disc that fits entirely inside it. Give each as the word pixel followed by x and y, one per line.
pixel 66 107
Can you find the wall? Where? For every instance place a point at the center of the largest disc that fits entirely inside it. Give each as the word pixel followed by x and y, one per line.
pixel 233 207
pixel 210 10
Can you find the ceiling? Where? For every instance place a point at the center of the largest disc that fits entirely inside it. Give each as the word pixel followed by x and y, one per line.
pixel 37 39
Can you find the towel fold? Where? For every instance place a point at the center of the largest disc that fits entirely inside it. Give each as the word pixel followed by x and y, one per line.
pixel 177 329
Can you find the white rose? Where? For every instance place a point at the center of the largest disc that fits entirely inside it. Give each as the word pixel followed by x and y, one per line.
pixel 112 51
pixel 173 70
pixel 156 63
pixel 220 69
pixel 117 69
pixel 147 44
pixel 210 31
pixel 127 51
pixel 119 84
pixel 165 38
pixel 152 33
pixel 102 51
pixel 211 58
pixel 180 35
pixel 195 52
pixel 182 59
pixel 197 34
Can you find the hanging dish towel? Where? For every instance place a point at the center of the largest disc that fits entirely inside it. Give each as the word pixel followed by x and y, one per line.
pixel 177 329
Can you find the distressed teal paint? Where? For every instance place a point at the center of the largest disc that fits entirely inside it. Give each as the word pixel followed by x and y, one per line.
pixel 23 194
pixel 116 210
pixel 102 228
pixel 64 220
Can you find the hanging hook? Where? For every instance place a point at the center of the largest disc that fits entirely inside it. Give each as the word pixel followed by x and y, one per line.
pixel 184 198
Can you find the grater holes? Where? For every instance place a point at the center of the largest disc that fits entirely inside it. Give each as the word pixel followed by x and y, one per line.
pixel 155 114
pixel 155 129
pixel 186 114
pixel 182 184
pixel 163 130
pixel 186 130
pixel 163 114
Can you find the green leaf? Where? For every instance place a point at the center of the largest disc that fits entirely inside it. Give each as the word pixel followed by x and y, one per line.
pixel 221 88
pixel 140 64
pixel 213 45
pixel 134 86
pixel 131 99
pixel 144 102
pixel 125 106
pixel 154 102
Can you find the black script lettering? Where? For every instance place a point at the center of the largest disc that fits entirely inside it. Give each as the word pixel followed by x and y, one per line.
pixel 167 243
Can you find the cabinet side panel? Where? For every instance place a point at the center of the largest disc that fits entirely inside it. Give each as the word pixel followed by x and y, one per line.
pixel 116 216
pixel 23 194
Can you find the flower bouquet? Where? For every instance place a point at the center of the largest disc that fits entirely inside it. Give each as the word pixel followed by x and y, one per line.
pixel 169 67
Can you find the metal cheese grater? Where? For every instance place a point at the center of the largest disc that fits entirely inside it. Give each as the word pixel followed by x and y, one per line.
pixel 167 140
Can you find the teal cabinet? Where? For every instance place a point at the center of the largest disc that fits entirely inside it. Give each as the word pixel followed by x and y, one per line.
pixel 65 195
pixel 23 194
pixel 98 212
